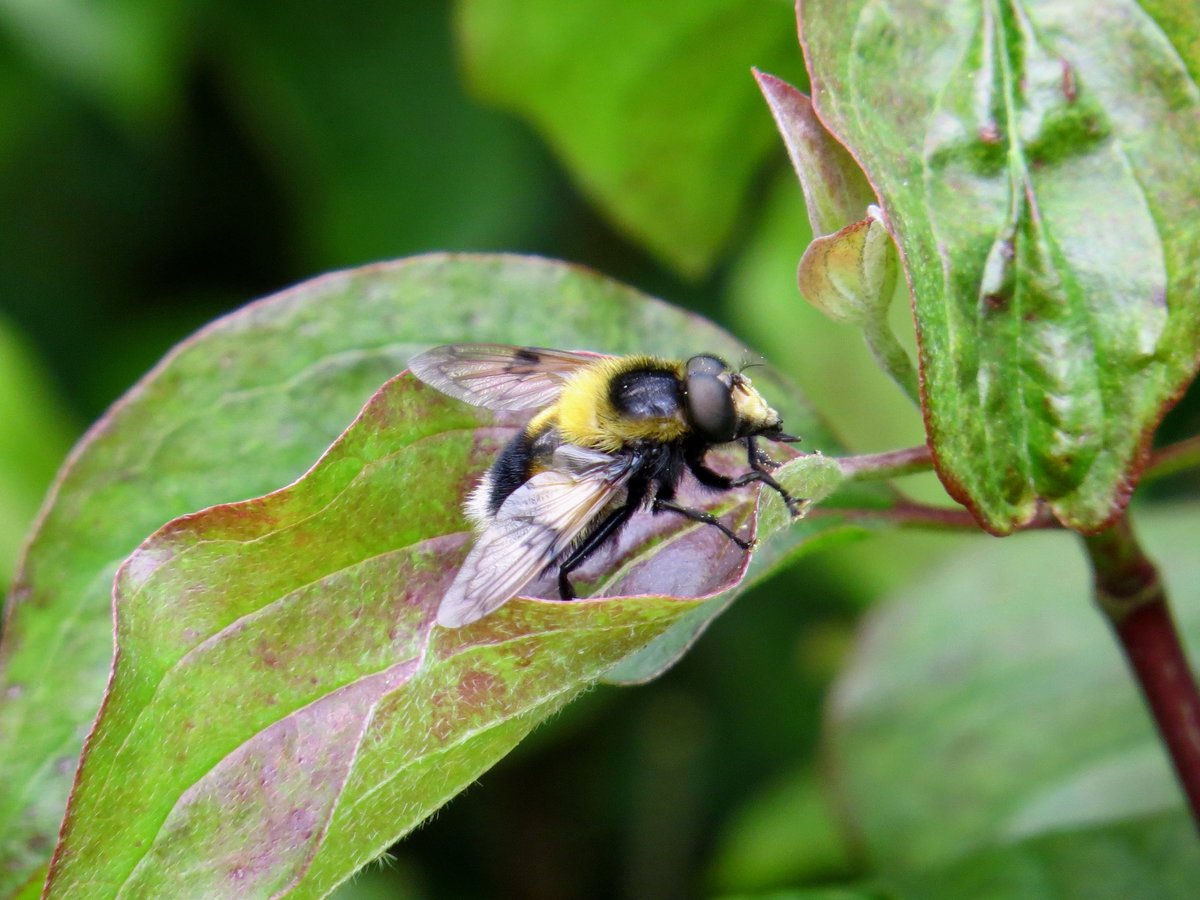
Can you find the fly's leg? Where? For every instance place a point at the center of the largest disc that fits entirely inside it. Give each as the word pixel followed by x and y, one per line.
pixel 758 472
pixel 590 544
pixel 758 457
pixel 699 515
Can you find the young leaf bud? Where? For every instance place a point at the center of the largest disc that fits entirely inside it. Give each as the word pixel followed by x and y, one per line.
pixel 851 275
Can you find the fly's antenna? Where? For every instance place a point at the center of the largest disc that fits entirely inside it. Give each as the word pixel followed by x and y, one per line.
pixel 749 362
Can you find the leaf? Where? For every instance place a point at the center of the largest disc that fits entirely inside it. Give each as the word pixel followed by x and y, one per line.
pixel 829 359
pixel 836 192
pixel 245 406
pixel 126 55
pixel 1035 163
pixel 980 708
pixel 812 477
pixel 653 113
pixel 284 650
pixel 33 440
pixel 786 832
pixel 850 275
pixel 363 118
pixel 1154 858
pixel 816 893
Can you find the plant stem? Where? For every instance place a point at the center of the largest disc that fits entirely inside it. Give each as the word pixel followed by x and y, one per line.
pixel 1130 592
pixel 893 463
pixel 910 514
pixel 892 357
pixel 1173 458
pixel 905 515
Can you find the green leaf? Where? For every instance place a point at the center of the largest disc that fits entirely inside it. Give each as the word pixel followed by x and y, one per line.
pixel 982 707
pixel 785 833
pixel 243 407
pixel 125 53
pixel 1155 858
pixel 363 118
pixel 35 437
pixel 818 893
pixel 653 111
pixel 1036 163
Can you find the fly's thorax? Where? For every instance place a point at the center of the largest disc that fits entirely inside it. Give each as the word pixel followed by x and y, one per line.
pixel 621 401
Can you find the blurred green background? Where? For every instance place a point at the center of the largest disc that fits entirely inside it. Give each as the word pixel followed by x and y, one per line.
pixel 162 163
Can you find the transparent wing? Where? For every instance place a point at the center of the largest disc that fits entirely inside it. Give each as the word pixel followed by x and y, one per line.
pixel 499 376
pixel 538 522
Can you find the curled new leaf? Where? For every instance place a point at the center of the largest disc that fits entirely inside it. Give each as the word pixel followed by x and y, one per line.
pixel 850 275
pixel 836 192
pixel 849 270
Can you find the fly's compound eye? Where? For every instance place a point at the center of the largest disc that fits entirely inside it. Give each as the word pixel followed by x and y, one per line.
pixel 710 407
pixel 709 365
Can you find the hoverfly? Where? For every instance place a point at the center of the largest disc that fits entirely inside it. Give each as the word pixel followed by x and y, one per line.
pixel 614 435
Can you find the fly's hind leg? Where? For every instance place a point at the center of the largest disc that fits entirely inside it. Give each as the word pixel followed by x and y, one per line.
pixel 608 527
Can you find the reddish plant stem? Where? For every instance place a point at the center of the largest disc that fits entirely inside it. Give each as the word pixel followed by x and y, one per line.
pixel 1130 592
pixel 1173 458
pixel 904 514
pixel 887 465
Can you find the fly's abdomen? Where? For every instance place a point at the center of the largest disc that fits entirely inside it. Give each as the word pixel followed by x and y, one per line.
pixel 530 452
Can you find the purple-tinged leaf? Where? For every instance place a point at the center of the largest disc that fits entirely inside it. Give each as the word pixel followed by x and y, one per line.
pixel 281 697
pixel 239 409
pixel 836 192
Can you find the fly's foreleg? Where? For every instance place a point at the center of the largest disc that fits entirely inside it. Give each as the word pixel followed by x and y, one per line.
pixel 759 472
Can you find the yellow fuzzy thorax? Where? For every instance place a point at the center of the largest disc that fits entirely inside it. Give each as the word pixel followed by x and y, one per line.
pixel 587 418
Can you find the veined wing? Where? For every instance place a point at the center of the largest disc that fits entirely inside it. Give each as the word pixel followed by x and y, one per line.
pixel 536 524
pixel 500 376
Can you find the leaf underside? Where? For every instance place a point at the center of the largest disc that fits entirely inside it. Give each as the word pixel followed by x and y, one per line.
pixel 1037 165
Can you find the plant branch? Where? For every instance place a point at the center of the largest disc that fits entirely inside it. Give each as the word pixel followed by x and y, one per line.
pixel 1130 592
pixel 910 514
pixel 905 515
pixel 892 357
pixel 1173 458
pixel 876 466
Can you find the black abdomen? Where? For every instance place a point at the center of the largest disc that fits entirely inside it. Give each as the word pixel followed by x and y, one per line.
pixel 522 457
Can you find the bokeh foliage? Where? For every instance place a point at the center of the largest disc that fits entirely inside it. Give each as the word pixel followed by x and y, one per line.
pixel 162 163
